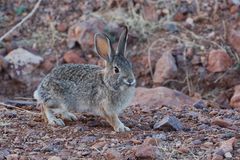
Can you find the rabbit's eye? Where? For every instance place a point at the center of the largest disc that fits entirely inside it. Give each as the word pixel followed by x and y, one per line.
pixel 116 70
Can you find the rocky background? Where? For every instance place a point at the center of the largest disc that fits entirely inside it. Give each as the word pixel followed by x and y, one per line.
pixel 186 58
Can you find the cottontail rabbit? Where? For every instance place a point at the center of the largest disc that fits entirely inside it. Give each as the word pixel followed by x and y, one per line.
pixel 84 87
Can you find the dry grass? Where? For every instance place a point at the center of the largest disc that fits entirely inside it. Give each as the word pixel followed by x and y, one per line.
pixel 134 19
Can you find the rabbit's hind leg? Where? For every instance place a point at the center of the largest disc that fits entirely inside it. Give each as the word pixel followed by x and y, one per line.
pixel 49 108
pixel 65 114
pixel 68 116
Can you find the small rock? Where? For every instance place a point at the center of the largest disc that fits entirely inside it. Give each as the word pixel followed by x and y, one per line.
pixel 48 148
pixel 136 141
pixel 227 146
pixel 72 57
pixel 197 142
pixel 99 145
pixel 62 27
pixel 12 157
pixel 4 153
pixel 49 62
pixel 146 152
pixel 161 136
pixel 199 104
pixel 217 157
pixel 150 13
pixel 24 61
pixel 221 122
pixel 85 153
pixel 23 158
pixel 208 144
pixel 169 123
pixel 55 158
pixel 219 152
pixel 235 100
pixel 228 155
pixel 179 16
pixel 234 9
pixel 166 68
pixel 151 141
pixel 112 154
pixel 190 21
pixel 234 40
pixel 87 139
pixel 171 27
pixel 183 149
pixel 178 144
pixel 218 61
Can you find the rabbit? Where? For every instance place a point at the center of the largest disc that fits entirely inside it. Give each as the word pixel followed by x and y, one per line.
pixel 106 92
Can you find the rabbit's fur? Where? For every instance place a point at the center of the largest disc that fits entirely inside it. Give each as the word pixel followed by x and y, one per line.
pixel 84 87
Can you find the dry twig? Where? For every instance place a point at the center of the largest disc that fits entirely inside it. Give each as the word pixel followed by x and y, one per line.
pixel 22 21
pixel 8 106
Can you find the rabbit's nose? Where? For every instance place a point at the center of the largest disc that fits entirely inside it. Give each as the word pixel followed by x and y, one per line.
pixel 130 82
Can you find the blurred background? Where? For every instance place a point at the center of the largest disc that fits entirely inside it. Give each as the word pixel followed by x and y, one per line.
pixel 192 46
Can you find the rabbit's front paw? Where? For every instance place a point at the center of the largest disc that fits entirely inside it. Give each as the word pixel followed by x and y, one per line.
pixel 56 122
pixel 121 128
pixel 69 116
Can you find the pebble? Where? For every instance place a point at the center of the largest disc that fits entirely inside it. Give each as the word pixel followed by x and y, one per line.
pixel 169 123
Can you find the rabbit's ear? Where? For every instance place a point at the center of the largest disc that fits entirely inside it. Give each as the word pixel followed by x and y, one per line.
pixel 103 46
pixel 122 44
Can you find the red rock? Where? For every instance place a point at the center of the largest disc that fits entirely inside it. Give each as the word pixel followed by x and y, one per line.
pixel 234 9
pixel 62 27
pixel 227 146
pixel 151 141
pixel 47 65
pixel 83 32
pixel 235 100
pixel 183 149
pixel 72 57
pixel 12 157
pixel 146 152
pixel 99 145
pixel 218 61
pixel 112 154
pixel 166 68
pixel 150 13
pixel 48 62
pixel 208 144
pixel 136 141
pixel 234 40
pixel 221 122
pixel 23 158
pixel 179 16
pixel 152 98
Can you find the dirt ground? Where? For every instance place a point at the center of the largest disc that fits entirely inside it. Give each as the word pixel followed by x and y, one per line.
pixel 189 30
